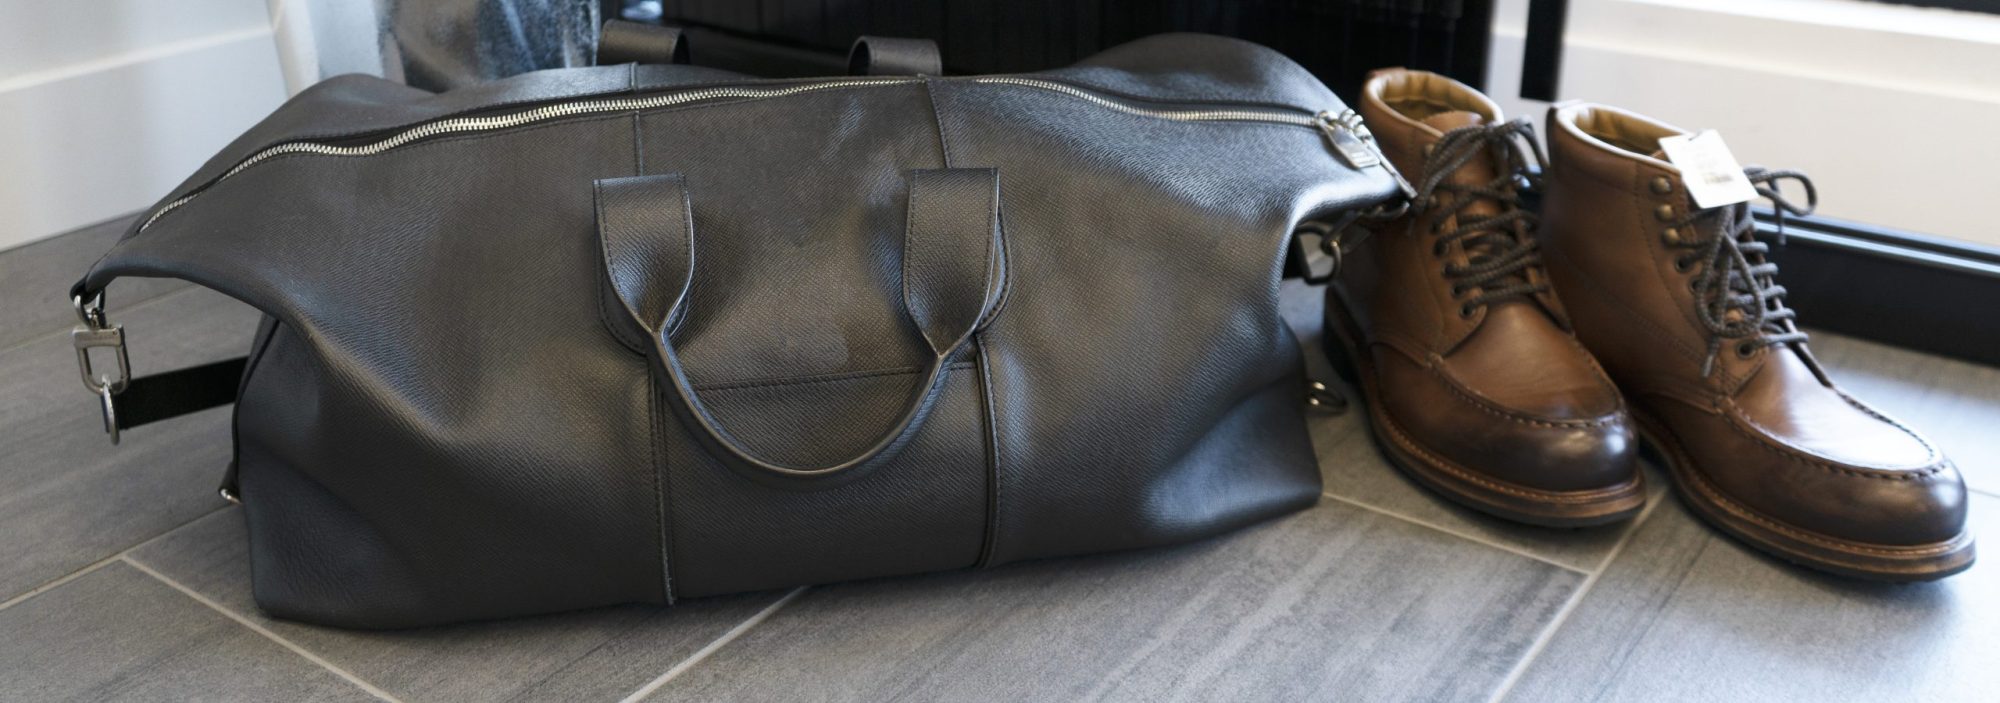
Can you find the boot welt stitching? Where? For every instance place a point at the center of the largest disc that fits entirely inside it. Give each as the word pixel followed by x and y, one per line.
pixel 1700 483
pixel 1403 441
pixel 1408 444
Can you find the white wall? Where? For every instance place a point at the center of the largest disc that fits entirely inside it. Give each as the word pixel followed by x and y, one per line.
pixel 324 38
pixel 1891 110
pixel 106 106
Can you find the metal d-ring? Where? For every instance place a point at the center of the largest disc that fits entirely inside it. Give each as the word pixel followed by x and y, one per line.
pixel 96 331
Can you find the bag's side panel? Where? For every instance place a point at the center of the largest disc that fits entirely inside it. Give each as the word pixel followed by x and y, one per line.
pixel 1146 389
pixel 442 428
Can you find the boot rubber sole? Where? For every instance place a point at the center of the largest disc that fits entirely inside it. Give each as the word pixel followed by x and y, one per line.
pixel 1510 501
pixel 1874 562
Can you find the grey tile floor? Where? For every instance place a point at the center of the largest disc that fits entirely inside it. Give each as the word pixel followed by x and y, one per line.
pixel 123 577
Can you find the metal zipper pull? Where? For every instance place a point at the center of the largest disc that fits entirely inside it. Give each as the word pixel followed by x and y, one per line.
pixel 1356 145
pixel 1346 132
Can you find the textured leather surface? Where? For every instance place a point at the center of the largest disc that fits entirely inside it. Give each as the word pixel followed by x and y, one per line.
pixel 462 412
pixel 953 274
pixel 1770 430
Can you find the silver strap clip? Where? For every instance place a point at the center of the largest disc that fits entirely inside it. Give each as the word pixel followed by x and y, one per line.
pixel 96 332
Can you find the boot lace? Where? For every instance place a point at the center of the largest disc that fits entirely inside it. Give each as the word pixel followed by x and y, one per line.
pixel 1499 249
pixel 1737 296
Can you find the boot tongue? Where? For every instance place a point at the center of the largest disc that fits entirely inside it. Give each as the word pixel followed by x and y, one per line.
pixel 1732 314
pixel 1478 171
pixel 1448 121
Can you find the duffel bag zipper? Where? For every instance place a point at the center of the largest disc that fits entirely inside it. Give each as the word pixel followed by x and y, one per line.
pixel 1349 138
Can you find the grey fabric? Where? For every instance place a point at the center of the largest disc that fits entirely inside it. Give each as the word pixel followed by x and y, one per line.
pixel 445 44
pixel 463 407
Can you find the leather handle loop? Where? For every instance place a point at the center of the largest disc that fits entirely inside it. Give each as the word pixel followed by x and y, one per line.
pixel 954 274
pixel 894 56
pixel 952 239
pixel 637 42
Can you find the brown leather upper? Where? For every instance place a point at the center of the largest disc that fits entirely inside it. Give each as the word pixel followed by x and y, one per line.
pixel 1502 388
pixel 1767 426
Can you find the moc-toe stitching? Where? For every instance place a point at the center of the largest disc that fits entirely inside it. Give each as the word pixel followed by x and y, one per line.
pixel 1714 494
pixel 1769 441
pixel 1746 513
pixel 1393 430
pixel 1445 464
pixel 1511 415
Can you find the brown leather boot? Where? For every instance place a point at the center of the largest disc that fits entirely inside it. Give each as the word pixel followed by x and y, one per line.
pixel 1681 307
pixel 1444 317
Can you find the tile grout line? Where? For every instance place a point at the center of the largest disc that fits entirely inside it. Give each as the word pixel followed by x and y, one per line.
pixel 712 647
pixel 1517 551
pixel 71 576
pixel 260 629
pixel 1548 632
pixel 59 332
pixel 101 563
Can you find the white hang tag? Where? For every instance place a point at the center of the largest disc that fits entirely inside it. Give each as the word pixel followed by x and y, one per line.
pixel 1710 172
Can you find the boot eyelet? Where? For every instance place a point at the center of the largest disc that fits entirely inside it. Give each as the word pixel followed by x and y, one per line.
pixel 1745 350
pixel 1694 286
pixel 1465 311
pixel 1664 212
pixel 1670 235
pixel 1662 186
pixel 1682 265
pixel 1430 149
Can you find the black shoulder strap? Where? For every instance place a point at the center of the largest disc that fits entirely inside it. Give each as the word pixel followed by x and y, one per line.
pixel 175 393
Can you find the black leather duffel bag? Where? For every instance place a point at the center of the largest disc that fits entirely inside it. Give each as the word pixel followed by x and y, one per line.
pixel 645 332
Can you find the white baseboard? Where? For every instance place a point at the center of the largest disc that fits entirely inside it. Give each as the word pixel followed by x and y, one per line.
pixel 92 141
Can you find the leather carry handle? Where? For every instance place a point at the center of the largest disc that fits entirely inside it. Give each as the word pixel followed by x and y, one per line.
pixel 954 274
pixel 893 56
